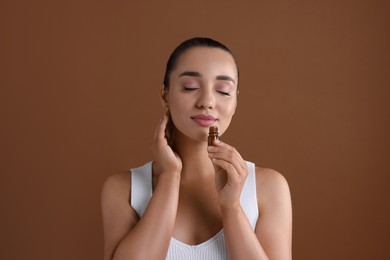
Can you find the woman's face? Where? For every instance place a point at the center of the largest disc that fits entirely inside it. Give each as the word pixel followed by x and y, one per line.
pixel 203 91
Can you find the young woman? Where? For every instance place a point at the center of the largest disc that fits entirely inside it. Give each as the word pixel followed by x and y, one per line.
pixel 195 201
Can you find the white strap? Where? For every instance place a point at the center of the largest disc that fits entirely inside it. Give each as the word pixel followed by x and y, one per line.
pixel 141 188
pixel 248 198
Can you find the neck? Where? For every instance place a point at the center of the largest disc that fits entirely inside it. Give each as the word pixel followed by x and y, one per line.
pixel 194 157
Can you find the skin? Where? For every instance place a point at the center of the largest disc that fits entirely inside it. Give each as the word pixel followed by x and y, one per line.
pixel 197 188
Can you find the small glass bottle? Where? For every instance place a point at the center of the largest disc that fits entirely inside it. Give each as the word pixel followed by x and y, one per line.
pixel 213 135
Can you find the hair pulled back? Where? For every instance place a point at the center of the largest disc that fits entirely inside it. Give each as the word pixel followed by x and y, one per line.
pixel 188 44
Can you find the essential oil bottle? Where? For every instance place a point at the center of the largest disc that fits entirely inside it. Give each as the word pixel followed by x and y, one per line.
pixel 213 135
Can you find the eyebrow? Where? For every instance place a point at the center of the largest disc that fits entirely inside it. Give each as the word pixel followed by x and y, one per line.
pixel 191 74
pixel 226 77
pixel 198 75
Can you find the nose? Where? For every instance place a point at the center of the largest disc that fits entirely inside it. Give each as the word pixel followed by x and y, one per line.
pixel 206 99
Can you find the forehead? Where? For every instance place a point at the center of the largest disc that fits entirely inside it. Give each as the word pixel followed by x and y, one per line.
pixel 207 59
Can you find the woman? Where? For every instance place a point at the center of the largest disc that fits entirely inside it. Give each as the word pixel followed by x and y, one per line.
pixel 195 201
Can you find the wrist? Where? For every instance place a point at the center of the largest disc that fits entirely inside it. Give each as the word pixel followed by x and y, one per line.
pixel 232 208
pixel 171 176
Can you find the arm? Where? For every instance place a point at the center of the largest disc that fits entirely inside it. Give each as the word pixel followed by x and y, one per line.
pixel 269 241
pixel 126 237
pixel 274 226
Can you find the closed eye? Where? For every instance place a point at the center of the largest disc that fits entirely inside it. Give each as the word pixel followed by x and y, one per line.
pixel 224 93
pixel 189 89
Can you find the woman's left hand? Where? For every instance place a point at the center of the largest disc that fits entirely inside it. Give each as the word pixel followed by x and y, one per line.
pixel 230 173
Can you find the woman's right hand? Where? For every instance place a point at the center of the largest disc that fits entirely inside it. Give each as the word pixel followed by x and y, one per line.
pixel 165 159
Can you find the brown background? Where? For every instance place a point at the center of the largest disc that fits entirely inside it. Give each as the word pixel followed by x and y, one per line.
pixel 79 102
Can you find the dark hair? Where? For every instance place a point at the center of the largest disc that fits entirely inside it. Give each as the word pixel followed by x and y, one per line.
pixel 188 44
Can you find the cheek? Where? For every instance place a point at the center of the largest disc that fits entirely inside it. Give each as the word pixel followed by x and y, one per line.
pixel 178 104
pixel 178 108
pixel 229 108
pixel 227 111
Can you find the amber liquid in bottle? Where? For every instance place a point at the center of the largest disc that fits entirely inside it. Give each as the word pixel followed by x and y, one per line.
pixel 213 135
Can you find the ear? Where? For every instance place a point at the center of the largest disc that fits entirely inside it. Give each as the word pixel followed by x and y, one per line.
pixel 164 97
pixel 235 108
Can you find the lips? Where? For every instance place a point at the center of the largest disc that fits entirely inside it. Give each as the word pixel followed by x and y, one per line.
pixel 204 120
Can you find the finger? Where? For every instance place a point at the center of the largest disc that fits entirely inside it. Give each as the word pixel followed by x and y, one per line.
pixel 219 143
pixel 238 164
pixel 223 151
pixel 230 170
pixel 221 146
pixel 159 134
pixel 230 156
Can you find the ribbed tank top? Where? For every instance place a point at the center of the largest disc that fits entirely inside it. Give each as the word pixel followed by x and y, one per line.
pixel 214 248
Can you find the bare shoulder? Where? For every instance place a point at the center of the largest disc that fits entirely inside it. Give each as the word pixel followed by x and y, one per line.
pixel 115 196
pixel 118 216
pixel 268 178
pixel 272 187
pixel 274 226
pixel 117 185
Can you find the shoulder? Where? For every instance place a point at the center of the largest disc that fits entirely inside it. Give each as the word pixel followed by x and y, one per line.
pixel 272 188
pixel 270 179
pixel 274 225
pixel 117 215
pixel 115 199
pixel 116 186
pixel 118 180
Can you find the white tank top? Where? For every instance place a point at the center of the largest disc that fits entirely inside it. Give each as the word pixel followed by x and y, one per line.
pixel 214 248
